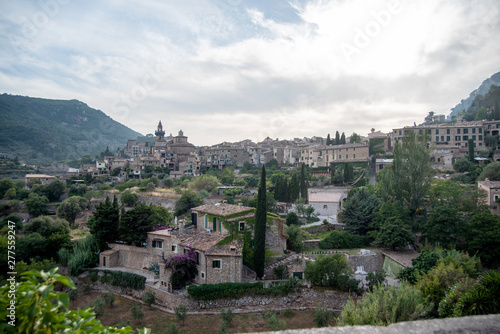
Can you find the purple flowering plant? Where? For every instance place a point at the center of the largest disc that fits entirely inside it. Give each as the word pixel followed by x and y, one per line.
pixel 183 267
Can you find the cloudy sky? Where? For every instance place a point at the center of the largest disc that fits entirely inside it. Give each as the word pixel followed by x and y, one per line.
pixel 228 70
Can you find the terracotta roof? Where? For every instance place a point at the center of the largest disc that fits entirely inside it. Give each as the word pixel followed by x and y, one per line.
pixel 165 232
pixel 222 209
pixel 332 197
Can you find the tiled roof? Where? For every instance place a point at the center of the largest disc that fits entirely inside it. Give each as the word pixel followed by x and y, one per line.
pixel 222 209
pixel 109 251
pixel 490 184
pixel 233 248
pixel 200 241
pixel 332 197
pixel 403 257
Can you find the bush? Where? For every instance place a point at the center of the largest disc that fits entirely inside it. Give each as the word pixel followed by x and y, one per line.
pixel 181 313
pixel 288 313
pixel 149 298
pixel 109 298
pixel 276 324
pixel 122 279
pixel 343 240
pixel 172 329
pixel 447 304
pixel 292 219
pixel 137 313
pixel 128 198
pixel 386 306
pixel 98 306
pixel 375 278
pixel 227 316
pixel 321 316
pixel 483 298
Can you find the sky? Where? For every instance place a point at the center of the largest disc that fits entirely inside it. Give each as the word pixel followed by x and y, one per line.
pixel 229 70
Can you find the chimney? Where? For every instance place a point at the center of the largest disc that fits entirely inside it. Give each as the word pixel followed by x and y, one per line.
pixel 181 226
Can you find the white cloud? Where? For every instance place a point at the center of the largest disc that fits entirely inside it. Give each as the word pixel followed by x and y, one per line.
pixel 240 69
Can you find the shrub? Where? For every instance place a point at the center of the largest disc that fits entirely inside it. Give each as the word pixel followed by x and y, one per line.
pixel 172 329
pixel 137 313
pixel 86 288
pixel 344 239
pixel 447 304
pixel 227 316
pixel 484 298
pixel 120 278
pixel 288 313
pixel 128 198
pixel 73 295
pixel 276 324
pixel 109 298
pixel 181 313
pixel 375 278
pixel 149 298
pixel 386 306
pixel 321 316
pixel 98 306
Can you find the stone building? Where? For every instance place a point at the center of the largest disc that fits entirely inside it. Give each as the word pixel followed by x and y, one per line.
pixel 491 191
pixel 327 204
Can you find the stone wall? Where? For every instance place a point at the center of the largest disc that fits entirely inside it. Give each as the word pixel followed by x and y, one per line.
pixel 311 244
pixel 304 298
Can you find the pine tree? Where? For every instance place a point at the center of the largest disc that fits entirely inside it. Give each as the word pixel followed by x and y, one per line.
pixel 342 138
pixel 259 251
pixel 337 138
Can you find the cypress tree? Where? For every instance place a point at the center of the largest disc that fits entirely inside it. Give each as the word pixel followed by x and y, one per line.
pixel 470 143
pixel 259 251
pixel 342 138
pixel 337 138
pixel 294 188
pixel 328 140
pixel 303 186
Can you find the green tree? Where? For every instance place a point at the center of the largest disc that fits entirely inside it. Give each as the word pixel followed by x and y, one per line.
pixel 337 138
pixel 292 219
pixel 36 205
pixel 42 309
pixel 482 236
pixel 348 173
pixel 128 198
pixel 46 226
pixel 393 226
pixel 294 188
pixel 463 165
pixel 10 194
pixel 260 226
pixel 470 144
pixel 490 172
pixel 226 177
pixel 342 139
pixel 5 184
pixel 181 313
pixel 104 223
pixel 135 223
pixel 409 178
pixel 328 140
pixel 186 202
pixel 303 184
pixel 355 138
pixel 204 182
pixel 70 207
pixel 295 238
pixel 54 190
pixel 329 270
pixel 31 247
pixel 359 211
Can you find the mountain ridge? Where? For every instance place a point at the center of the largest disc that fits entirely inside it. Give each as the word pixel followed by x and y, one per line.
pixel 45 130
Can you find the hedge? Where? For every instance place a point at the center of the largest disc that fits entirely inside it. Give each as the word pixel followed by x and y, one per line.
pixel 343 240
pixel 120 278
pixel 235 290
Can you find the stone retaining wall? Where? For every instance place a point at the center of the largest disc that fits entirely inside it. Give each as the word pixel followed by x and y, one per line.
pixel 304 298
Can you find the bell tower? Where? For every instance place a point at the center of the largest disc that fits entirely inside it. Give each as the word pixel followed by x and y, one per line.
pixel 160 134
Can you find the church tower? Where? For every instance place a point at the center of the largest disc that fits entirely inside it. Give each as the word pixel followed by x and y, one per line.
pixel 160 134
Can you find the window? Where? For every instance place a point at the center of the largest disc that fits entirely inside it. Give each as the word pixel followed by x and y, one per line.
pixel 325 206
pixel 458 131
pixel 442 138
pixel 216 264
pixel 448 138
pixel 437 131
pixel 214 224
pixel 197 258
pixel 202 274
pixel 480 137
pixel 480 130
pixel 473 130
pixel 437 138
pixel 354 156
pixel 447 131
pixel 457 138
pixel 174 248
pixel 242 226
pixel 157 244
pixel 206 221
pixel 466 131
pixel 474 137
pixel 465 138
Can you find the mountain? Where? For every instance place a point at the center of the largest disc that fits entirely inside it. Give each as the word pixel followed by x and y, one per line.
pixel 43 131
pixel 484 88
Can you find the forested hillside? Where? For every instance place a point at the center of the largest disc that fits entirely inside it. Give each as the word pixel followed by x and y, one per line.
pixel 43 130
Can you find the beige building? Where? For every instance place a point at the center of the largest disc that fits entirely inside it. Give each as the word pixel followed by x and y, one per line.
pixel 492 193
